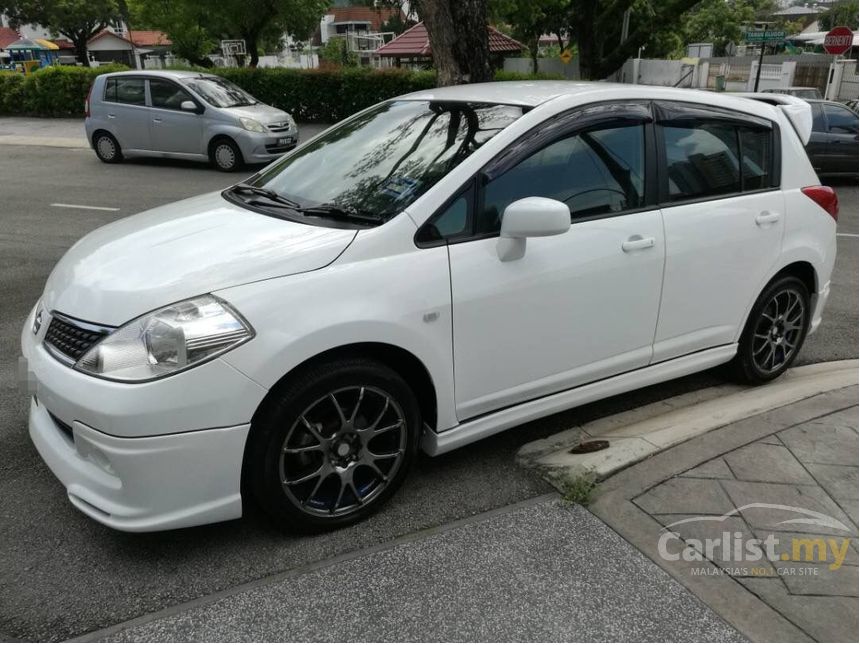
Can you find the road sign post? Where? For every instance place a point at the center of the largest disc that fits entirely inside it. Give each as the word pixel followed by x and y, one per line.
pixel 762 36
pixel 837 41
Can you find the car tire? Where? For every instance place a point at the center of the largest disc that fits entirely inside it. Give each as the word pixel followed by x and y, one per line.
pixel 774 332
pixel 107 147
pixel 225 155
pixel 332 444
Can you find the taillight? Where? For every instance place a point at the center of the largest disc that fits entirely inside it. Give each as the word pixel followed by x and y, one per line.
pixel 87 101
pixel 825 197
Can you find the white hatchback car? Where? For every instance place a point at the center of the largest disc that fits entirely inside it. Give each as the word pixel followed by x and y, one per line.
pixel 431 271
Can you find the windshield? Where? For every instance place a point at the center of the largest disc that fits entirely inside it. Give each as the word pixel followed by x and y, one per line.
pixel 219 92
pixel 382 160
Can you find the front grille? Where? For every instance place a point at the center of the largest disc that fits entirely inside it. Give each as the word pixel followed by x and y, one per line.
pixel 279 127
pixel 72 338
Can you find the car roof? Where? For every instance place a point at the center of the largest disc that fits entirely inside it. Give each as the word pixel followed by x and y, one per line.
pixel 159 73
pixel 533 93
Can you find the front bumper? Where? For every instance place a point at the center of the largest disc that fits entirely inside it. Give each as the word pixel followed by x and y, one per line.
pixel 264 147
pixel 147 456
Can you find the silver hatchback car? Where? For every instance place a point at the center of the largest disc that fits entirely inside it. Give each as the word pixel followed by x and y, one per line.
pixel 184 115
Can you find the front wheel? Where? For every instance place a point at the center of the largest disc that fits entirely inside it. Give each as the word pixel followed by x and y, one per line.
pixel 331 447
pixel 774 332
pixel 225 155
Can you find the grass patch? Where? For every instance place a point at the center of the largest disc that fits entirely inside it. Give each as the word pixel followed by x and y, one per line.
pixel 575 489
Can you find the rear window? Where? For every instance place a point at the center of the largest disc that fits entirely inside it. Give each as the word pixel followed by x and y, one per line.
pixel 125 90
pixel 709 159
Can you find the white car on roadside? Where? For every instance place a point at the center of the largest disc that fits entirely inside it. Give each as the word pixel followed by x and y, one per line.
pixel 433 270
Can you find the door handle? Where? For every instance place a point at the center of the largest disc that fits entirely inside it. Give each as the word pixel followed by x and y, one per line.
pixel 636 243
pixel 156 120
pixel 111 116
pixel 766 217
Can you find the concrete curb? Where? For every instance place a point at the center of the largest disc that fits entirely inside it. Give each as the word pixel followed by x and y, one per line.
pixel 50 142
pixel 637 434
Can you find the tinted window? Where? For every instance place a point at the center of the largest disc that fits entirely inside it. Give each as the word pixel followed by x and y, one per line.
pixel 701 160
pixel 453 221
pixel 165 94
pixel 840 120
pixel 818 118
pixel 599 172
pixel 756 157
pixel 125 90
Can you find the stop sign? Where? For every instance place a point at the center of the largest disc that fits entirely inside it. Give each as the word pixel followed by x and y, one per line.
pixel 838 40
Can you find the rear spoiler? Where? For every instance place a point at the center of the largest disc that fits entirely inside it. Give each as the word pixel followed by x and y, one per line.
pixel 798 111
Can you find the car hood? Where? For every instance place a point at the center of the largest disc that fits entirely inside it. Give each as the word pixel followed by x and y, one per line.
pixel 261 112
pixel 184 249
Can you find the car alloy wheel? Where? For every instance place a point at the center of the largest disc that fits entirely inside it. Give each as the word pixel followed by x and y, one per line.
pixel 343 450
pixel 779 330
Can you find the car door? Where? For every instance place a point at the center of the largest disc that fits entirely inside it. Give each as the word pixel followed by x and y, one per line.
pixel 576 307
pixel 126 111
pixel 173 129
pixel 723 219
pixel 841 139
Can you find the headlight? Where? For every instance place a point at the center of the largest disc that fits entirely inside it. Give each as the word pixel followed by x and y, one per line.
pixel 252 125
pixel 37 319
pixel 166 341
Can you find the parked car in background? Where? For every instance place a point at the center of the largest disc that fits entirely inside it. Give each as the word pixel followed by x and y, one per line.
pixel 834 142
pixel 799 92
pixel 438 268
pixel 184 115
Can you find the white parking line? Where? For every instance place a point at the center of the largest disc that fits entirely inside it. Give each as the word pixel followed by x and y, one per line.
pixel 847 235
pixel 89 208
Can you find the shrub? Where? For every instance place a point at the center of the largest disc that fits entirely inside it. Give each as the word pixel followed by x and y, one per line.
pixel 316 95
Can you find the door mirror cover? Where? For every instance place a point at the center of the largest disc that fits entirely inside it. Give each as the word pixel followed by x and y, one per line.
pixel 535 217
pixel 188 106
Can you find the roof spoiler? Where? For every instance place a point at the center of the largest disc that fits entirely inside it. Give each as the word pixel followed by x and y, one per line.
pixel 798 111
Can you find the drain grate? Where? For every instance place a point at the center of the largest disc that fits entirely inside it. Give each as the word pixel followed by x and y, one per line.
pixel 589 446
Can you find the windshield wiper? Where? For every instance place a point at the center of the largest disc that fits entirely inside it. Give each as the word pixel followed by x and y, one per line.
pixel 269 194
pixel 341 212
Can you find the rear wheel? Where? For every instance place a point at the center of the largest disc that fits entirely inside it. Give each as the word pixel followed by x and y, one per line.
pixel 107 147
pixel 225 155
pixel 333 445
pixel 774 333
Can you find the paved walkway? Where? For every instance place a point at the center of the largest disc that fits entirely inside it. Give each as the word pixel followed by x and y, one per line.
pixel 785 481
pixel 538 571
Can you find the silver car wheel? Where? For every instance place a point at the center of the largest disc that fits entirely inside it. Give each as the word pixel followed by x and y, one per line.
pixel 106 147
pixel 343 451
pixel 225 157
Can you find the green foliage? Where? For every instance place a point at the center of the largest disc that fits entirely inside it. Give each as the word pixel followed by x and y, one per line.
pixel 574 489
pixel 188 23
pixel 843 14
pixel 316 95
pixel 336 52
pixel 502 75
pixel 54 91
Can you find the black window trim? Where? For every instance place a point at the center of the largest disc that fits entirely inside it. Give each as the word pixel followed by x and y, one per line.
pixel 739 119
pixel 562 126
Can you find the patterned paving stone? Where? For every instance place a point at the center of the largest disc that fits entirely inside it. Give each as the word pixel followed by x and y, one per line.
pixel 713 469
pixel 823 582
pixel 840 482
pixel 767 463
pixel 685 495
pixel 830 553
pixel 831 440
pixel 806 498
pixel 825 619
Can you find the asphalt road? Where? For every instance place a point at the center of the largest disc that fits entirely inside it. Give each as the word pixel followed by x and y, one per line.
pixel 62 575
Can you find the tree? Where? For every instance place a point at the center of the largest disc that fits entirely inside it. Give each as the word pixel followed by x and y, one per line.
pixel 336 52
pixel 719 22
pixel 77 20
pixel 457 30
pixel 256 21
pixel 189 24
pixel 843 14
pixel 529 19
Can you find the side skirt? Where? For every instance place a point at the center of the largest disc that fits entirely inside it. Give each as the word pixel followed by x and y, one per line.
pixel 438 443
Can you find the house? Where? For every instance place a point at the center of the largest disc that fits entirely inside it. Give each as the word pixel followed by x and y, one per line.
pixel 412 47
pixel 361 27
pixel 131 49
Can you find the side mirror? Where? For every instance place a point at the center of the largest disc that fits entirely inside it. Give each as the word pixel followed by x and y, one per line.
pixel 188 106
pixel 530 217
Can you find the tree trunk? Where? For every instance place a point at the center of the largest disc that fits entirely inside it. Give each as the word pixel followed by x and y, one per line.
pixel 251 48
pixel 533 52
pixel 81 52
pixel 457 30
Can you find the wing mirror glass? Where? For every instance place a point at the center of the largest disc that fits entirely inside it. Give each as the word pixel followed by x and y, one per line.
pixel 530 217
